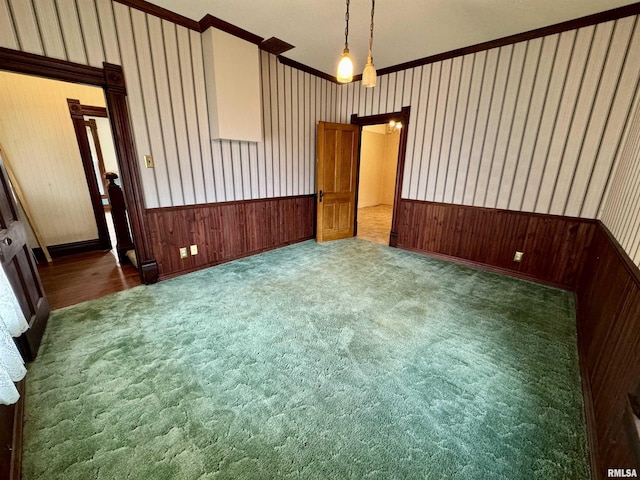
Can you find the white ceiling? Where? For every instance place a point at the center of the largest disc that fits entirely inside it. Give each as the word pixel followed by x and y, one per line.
pixel 404 30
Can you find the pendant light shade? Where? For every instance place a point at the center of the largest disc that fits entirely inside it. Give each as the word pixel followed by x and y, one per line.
pixel 345 64
pixel 369 74
pixel 345 67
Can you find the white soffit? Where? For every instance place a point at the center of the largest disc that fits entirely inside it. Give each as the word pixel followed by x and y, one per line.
pixel 404 30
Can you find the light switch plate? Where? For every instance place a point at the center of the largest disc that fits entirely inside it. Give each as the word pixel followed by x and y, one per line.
pixel 194 249
pixel 183 252
pixel 148 161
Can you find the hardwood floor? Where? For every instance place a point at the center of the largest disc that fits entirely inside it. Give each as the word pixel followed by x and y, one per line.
pixel 374 223
pixel 78 278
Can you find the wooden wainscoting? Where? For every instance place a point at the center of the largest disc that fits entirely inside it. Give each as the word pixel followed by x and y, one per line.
pixel 11 423
pixel 226 231
pixel 553 246
pixel 608 296
pixel 578 254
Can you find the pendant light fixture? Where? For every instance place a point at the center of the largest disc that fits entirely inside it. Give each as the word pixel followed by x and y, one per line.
pixel 345 65
pixel 369 73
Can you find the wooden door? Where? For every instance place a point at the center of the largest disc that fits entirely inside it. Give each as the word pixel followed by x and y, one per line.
pixel 336 180
pixel 18 264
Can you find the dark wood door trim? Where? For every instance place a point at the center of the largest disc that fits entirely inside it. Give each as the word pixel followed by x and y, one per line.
pixel 93 111
pixel 93 126
pixel 401 116
pixel 32 64
pixel 111 79
pixel 75 110
pixel 116 94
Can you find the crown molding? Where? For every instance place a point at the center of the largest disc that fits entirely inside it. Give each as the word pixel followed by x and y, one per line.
pixel 211 21
pixel 606 16
pixel 162 13
pixel 305 68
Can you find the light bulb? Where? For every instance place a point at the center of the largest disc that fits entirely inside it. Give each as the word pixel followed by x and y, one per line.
pixel 345 67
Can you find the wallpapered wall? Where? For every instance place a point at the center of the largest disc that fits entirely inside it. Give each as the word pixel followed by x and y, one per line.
pixel 533 126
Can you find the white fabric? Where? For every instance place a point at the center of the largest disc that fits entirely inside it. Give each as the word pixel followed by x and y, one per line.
pixel 12 323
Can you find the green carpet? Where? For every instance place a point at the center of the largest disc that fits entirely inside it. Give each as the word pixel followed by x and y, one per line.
pixel 333 361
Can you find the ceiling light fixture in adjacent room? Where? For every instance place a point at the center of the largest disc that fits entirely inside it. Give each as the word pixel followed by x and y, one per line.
pixel 345 66
pixel 393 126
pixel 369 73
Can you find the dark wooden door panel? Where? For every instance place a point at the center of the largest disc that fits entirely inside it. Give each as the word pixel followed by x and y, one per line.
pixel 18 264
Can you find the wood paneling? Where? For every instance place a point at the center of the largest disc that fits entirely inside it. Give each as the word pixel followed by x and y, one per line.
pixel 553 246
pixel 11 428
pixel 608 296
pixel 574 253
pixel 226 231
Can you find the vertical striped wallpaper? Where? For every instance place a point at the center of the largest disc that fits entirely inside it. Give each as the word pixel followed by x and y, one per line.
pixel 621 211
pixel 163 67
pixel 165 79
pixel 533 126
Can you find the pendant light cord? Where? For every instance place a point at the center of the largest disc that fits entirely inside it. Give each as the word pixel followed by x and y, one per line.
pixel 373 6
pixel 346 29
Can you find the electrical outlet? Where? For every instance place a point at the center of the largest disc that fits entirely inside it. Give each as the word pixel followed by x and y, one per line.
pixel 183 252
pixel 194 249
pixel 148 161
pixel 518 256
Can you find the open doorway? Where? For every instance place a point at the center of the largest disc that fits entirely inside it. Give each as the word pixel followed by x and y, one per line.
pixel 103 156
pixel 379 145
pixel 383 144
pixel 61 190
pixel 338 172
pixel 98 151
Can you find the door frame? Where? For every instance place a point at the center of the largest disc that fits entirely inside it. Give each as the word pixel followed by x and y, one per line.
pixel 111 79
pixel 93 126
pixel 76 110
pixel 401 116
pixel 100 112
